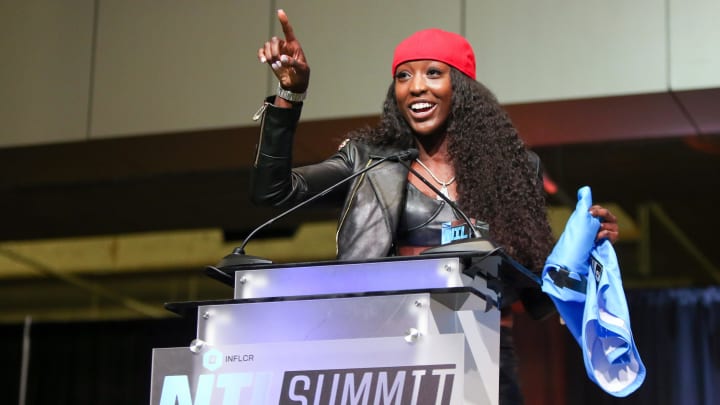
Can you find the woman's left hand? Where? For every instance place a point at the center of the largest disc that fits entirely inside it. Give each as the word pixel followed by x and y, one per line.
pixel 608 223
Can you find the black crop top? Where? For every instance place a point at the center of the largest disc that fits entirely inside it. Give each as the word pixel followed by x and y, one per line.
pixel 422 219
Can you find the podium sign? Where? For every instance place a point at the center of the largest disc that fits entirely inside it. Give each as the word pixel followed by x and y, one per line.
pixel 351 371
pixel 393 332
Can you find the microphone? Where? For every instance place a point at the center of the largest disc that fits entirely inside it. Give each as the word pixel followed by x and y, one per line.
pixel 477 243
pixel 535 302
pixel 406 155
pixel 238 258
pixel 475 233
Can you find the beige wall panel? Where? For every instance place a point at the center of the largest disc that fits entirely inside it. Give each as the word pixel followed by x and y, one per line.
pixel 45 58
pixel 173 65
pixel 349 45
pixel 694 44
pixel 561 49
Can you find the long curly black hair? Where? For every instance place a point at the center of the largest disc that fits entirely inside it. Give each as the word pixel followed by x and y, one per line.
pixel 496 182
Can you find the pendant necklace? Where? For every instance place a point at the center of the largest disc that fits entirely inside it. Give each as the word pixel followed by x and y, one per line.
pixel 444 184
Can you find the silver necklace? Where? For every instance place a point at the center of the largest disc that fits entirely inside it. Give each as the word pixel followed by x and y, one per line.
pixel 444 184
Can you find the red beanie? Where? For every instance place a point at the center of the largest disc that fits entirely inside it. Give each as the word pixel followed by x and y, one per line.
pixel 436 44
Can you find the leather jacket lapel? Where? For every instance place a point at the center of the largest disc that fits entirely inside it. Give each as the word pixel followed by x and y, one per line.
pixel 372 212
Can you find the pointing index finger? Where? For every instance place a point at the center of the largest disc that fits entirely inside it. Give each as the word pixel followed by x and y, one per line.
pixel 286 27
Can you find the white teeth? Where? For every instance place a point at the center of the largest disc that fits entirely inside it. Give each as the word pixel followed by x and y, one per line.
pixel 420 106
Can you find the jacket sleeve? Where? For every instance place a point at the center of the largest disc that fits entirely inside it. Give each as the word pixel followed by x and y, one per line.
pixel 273 181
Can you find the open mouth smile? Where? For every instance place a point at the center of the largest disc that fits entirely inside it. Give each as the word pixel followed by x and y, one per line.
pixel 422 109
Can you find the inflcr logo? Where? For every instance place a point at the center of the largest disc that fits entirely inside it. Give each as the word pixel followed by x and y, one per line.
pixel 212 359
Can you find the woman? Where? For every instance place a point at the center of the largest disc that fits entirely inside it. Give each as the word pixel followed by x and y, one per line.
pixel 467 146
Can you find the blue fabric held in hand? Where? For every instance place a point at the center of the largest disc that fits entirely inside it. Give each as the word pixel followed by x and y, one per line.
pixel 597 314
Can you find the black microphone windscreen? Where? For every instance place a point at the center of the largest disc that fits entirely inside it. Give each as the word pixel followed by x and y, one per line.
pixel 410 154
pixel 406 155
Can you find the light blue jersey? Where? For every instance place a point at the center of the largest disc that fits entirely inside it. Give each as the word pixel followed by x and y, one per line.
pixel 583 279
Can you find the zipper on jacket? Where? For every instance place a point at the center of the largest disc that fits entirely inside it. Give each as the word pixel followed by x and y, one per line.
pixel 349 205
pixel 258 115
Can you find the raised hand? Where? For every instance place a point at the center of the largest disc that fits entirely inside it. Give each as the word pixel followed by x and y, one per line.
pixel 286 58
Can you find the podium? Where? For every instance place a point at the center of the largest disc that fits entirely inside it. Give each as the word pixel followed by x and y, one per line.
pixel 411 330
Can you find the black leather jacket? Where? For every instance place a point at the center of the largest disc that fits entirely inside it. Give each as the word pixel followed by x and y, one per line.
pixel 373 202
